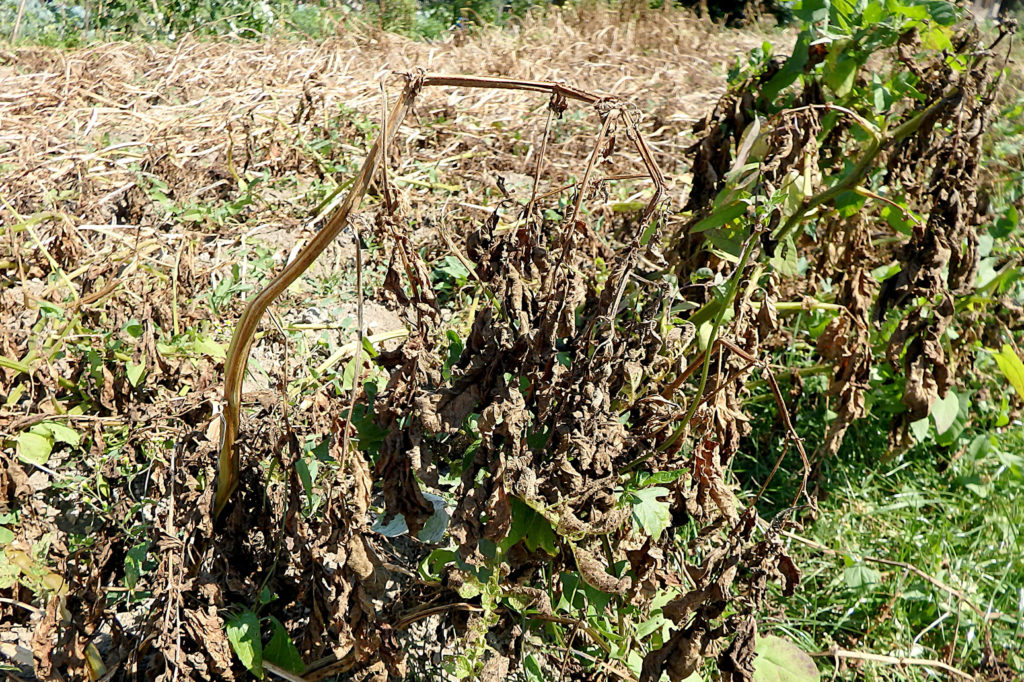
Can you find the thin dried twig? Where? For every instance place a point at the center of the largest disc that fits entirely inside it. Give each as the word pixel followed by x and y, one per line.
pixel 838 653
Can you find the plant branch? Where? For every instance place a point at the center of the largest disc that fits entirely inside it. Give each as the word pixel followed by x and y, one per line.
pixel 866 161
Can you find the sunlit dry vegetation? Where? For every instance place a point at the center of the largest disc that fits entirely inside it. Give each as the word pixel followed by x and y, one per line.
pixel 603 343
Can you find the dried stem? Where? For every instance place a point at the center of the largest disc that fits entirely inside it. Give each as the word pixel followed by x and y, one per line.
pixel 245 330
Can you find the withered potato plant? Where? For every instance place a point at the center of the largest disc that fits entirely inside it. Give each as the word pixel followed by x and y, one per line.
pixel 557 428
pixel 581 456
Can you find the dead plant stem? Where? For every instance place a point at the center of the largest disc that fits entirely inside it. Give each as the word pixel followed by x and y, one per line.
pixel 894 660
pixel 898 564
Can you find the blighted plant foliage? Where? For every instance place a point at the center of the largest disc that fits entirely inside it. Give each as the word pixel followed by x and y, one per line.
pixel 778 170
pixel 907 166
pixel 555 383
pixel 552 414
pixel 582 417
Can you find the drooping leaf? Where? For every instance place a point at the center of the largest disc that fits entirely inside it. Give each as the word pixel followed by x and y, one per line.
pixel 1012 368
pixel 281 651
pixel 433 530
pixel 650 513
pixel 243 630
pixel 779 660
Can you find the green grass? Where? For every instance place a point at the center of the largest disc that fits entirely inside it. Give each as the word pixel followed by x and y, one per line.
pixel 953 514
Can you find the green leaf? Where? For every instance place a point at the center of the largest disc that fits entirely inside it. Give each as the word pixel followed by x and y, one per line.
pixel 6 536
pixel 944 411
pixel 133 564
pixel 912 11
pixel 33 447
pixel 920 429
pixel 841 69
pixel 531 527
pixel 779 660
pixel 860 576
pixel 873 13
pixel 812 11
pixel 881 96
pixel 134 328
pixel 432 567
pixel 62 433
pixel 794 66
pixel 720 217
pixel 14 364
pixel 975 484
pixel 786 259
pixel 849 203
pixel 1006 224
pixel 937 38
pixel 204 346
pixel 455 348
pixel 727 242
pixel 281 651
pixel 532 669
pixel 302 468
pixel 650 625
pixel 960 421
pixel 1012 368
pixel 842 13
pixel 452 268
pixel 243 631
pixel 943 12
pixel 349 375
pixel 652 515
pixel 134 372
pixel 658 477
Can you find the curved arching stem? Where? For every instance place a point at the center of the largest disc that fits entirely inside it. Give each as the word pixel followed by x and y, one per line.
pixel 245 330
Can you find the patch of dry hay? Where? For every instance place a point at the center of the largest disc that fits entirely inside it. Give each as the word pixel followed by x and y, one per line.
pixel 94 110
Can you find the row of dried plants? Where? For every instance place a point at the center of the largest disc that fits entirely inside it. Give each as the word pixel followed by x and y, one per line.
pixel 556 429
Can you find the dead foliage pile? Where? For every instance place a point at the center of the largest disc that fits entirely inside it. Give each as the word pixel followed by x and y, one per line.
pixel 568 383
pixel 560 385
pixel 114 158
